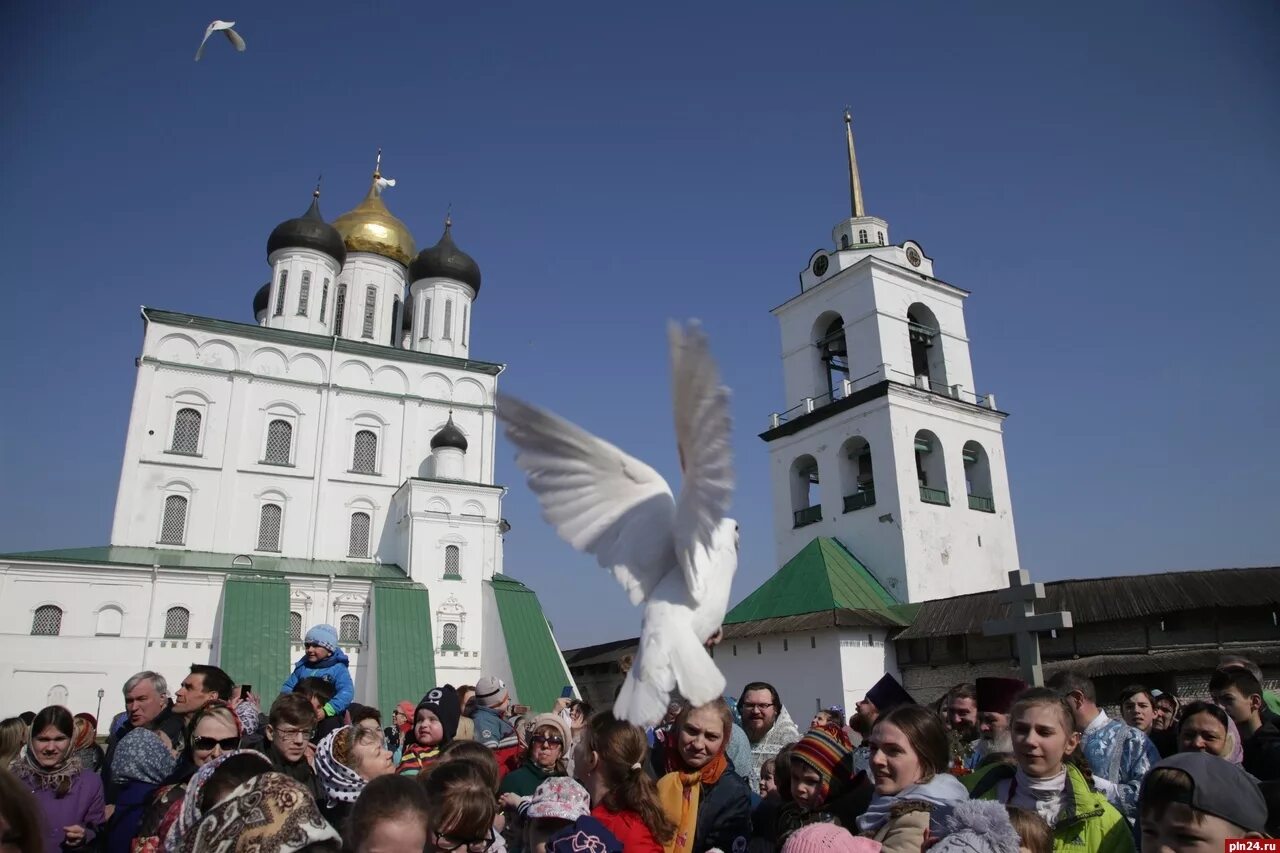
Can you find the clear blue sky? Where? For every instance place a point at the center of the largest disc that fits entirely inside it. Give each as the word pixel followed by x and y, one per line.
pixel 1102 176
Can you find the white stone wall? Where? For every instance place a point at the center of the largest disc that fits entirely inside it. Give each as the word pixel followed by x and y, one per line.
pixel 442 316
pixel 806 668
pixel 361 271
pixel 320 272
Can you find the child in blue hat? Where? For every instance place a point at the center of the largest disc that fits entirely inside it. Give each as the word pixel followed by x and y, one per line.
pixel 323 659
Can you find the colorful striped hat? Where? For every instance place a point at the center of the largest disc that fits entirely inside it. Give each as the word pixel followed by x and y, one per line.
pixel 824 748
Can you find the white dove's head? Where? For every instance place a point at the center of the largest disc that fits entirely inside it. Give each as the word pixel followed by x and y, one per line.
pixel 727 532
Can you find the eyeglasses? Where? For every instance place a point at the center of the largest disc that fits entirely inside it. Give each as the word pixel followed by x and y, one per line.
pixel 757 706
pixel 475 845
pixel 207 744
pixel 546 740
pixel 293 734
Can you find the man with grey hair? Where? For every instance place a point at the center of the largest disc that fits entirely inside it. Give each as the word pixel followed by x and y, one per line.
pixel 147 704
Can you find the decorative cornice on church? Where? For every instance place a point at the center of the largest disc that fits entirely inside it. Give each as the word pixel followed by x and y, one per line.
pixel 207 561
pixel 305 339
pixel 876 261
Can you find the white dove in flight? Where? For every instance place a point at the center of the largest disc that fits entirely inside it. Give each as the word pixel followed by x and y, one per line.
pixel 223 27
pixel 676 556
pixel 382 183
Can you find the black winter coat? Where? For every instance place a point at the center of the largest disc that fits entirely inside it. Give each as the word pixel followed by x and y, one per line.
pixel 724 814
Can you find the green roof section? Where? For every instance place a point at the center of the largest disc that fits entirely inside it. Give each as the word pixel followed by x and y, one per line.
pixel 402 638
pixel 536 665
pixel 823 576
pixel 255 633
pixel 121 555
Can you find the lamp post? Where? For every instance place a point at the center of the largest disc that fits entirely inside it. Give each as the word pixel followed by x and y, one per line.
pixel 98 716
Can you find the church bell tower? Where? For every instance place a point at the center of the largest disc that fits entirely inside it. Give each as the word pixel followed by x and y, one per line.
pixel 885 444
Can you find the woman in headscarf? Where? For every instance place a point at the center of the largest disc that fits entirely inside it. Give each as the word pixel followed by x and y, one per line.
pixel 181 830
pixel 85 742
pixel 346 760
pixel 270 813
pixel 142 760
pixel 1205 727
pixel 708 802
pixel 69 796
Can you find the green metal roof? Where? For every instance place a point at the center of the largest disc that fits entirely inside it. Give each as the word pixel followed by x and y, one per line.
pixel 823 576
pixel 209 561
pixel 402 639
pixel 536 666
pixel 255 633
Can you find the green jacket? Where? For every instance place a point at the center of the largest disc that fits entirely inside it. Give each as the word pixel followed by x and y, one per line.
pixel 1087 822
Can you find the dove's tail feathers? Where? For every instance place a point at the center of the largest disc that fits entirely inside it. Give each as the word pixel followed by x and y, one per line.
pixel 640 702
pixel 696 675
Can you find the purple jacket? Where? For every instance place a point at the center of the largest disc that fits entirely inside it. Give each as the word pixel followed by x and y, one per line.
pixel 82 805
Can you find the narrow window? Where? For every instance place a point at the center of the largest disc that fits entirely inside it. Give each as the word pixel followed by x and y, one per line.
pixel 324 299
pixel 426 319
pixel 186 432
pixel 173 527
pixel 349 629
pixel 295 627
pixel 880 237
pixel 844 241
pixel 364 458
pixel 862 236
pixel 448 319
pixel 340 309
pixel 466 315
pixel 449 635
pixel 370 307
pixel 279 442
pixel 395 320
pixel 284 276
pixel 359 539
pixel 176 622
pixel 269 527
pixel 304 293
pixel 47 621
pixel 452 560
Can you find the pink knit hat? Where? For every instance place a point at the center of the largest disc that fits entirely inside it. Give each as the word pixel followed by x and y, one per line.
pixel 817 837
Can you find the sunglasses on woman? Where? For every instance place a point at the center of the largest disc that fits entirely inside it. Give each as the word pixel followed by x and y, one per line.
pixel 475 845
pixel 546 740
pixel 206 744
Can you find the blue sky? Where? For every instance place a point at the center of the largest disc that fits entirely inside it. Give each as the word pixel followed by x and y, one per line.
pixel 1102 176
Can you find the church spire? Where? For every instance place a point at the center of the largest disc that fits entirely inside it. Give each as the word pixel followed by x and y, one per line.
pixel 855 182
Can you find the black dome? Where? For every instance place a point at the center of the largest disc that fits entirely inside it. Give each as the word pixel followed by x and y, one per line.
pixel 446 260
pixel 449 436
pixel 261 299
pixel 309 231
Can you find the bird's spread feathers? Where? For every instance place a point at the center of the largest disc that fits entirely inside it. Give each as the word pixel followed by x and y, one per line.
pixel 677 557
pixel 223 27
pixel 382 183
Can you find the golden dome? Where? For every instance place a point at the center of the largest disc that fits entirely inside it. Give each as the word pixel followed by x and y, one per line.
pixel 370 227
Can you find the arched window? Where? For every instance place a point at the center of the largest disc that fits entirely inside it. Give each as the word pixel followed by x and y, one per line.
pixel 844 241
pixel 806 503
pixel 284 277
pixel 370 310
pixel 931 468
pixel 447 335
pixel 977 477
pixel 324 300
pixel 926 347
pixel 304 293
pixel 359 539
pixel 295 626
pixel 880 237
pixel 110 621
pixel 186 431
pixel 279 442
pixel 449 636
pixel 395 320
pixel 426 319
pixel 862 236
pixel 339 309
pixel 269 522
pixel 47 621
pixel 173 527
pixel 349 630
pixel 364 455
pixel 833 352
pixel 452 561
pixel 176 622
pixel 857 476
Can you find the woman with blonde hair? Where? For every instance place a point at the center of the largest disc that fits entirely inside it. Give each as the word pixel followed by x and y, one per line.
pixel 709 803
pixel 13 737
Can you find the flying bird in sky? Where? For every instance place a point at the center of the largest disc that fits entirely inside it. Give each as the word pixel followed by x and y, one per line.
pixel 223 27
pixel 676 557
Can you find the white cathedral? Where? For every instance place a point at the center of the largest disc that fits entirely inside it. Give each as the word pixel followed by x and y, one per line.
pixel 332 462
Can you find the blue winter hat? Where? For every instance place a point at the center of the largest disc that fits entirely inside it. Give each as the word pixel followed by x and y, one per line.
pixel 324 636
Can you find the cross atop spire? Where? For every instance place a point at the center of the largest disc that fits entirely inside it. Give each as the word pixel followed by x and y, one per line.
pixel 855 182
pixel 377 164
pixel 316 193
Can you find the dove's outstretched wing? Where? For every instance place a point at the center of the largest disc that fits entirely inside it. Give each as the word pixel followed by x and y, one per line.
pixel 703 427
pixel 599 499
pixel 235 39
pixel 225 28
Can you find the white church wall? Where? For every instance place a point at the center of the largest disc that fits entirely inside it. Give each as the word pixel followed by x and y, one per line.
pixel 865 657
pixel 805 668
pixel 361 272
pixel 896 291
pixel 442 321
pixel 301 266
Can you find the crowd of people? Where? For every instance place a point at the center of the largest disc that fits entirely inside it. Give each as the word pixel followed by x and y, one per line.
pixel 992 767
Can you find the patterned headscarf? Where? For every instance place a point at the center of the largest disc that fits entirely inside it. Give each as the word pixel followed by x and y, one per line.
pixel 182 834
pixel 341 784
pixel 58 778
pixel 86 732
pixel 141 756
pixel 270 813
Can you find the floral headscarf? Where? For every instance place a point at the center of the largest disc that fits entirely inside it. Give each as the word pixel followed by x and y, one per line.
pixel 270 813
pixel 57 778
pixel 86 732
pixel 182 834
pixel 341 784
pixel 142 757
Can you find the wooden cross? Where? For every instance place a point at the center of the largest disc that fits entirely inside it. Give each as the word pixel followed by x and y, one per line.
pixel 1027 625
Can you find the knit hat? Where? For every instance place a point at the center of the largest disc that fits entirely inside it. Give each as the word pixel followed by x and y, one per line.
pixel 560 797
pixel 490 691
pixel 996 695
pixel 978 826
pixel 587 835
pixel 443 702
pixel 888 693
pixel 324 636
pixel 554 721
pixel 817 837
pixel 1219 788
pixel 825 749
